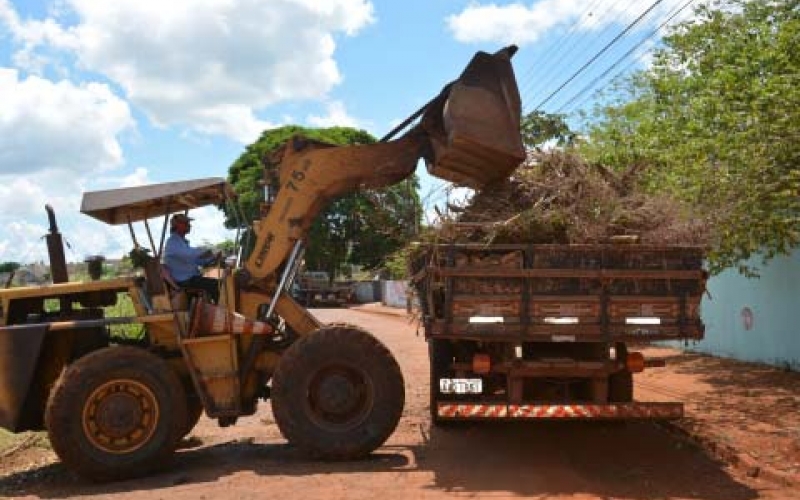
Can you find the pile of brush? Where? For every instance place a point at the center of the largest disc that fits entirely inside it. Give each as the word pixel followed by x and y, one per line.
pixel 556 197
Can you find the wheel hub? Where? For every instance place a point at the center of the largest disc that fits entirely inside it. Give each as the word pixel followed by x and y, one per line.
pixel 337 394
pixel 339 397
pixel 120 416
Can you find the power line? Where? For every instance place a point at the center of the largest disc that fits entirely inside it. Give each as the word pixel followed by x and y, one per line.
pixel 562 57
pixel 627 54
pixel 560 44
pixel 601 52
pixel 588 96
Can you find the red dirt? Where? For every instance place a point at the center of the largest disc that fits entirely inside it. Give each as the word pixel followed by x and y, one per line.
pixel 739 441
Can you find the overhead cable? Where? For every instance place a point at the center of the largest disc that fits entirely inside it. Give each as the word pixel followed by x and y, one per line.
pixel 600 53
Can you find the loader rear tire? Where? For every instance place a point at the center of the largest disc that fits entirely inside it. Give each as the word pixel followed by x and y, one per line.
pixel 116 413
pixel 337 393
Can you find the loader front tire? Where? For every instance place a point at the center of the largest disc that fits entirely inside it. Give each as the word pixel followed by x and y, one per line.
pixel 194 410
pixel 337 393
pixel 116 413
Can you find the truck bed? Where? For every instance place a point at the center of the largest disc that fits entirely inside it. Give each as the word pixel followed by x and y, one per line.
pixel 623 292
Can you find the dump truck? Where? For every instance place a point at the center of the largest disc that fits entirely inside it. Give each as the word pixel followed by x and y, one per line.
pixel 544 331
pixel 315 288
pixel 116 405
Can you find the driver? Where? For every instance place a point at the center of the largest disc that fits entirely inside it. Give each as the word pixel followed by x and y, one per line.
pixel 184 261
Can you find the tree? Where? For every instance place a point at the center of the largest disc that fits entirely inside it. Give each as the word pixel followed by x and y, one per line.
pixel 539 128
pixel 8 267
pixel 361 228
pixel 718 118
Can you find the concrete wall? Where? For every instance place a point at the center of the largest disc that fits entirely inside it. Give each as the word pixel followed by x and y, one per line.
pixel 367 291
pixel 755 319
pixel 393 293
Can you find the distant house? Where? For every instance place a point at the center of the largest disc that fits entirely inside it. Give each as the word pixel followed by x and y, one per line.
pixel 755 319
pixel 30 275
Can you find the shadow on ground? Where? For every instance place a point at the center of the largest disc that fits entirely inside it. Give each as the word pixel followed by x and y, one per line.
pixel 636 460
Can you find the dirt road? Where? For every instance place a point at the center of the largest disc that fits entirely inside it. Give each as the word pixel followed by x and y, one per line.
pixel 570 460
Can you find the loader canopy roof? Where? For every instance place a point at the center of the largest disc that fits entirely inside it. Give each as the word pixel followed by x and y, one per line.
pixel 120 206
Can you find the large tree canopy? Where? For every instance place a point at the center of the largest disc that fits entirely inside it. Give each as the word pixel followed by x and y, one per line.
pixel 361 228
pixel 717 117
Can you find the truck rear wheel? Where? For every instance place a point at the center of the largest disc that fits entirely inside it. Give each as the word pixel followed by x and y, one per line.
pixel 620 387
pixel 116 413
pixel 337 394
pixel 620 384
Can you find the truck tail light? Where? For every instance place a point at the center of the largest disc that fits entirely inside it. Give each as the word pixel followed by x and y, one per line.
pixel 481 363
pixel 635 362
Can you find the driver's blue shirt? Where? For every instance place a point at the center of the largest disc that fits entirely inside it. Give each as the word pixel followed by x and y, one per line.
pixel 182 260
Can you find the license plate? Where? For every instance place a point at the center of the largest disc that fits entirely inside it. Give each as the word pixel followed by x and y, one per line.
pixel 460 385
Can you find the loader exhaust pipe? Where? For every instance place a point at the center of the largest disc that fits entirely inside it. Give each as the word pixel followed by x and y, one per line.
pixel 55 249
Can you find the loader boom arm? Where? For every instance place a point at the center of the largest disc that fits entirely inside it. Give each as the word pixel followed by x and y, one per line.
pixel 312 175
pixel 468 134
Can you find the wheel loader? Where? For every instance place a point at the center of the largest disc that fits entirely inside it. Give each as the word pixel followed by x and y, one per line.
pixel 115 406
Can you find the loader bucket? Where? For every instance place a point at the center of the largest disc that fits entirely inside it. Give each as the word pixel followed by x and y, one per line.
pixel 20 347
pixel 474 123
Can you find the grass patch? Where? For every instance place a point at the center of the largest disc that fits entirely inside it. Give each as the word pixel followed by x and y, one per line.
pixel 23 440
pixel 124 308
pixel 7 440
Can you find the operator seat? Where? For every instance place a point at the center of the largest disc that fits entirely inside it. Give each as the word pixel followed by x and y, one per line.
pixel 181 297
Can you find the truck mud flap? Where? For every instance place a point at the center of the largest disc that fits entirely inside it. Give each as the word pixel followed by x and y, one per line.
pixel 619 411
pixel 20 346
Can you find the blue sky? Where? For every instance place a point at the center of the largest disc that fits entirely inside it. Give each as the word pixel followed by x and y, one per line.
pixel 104 94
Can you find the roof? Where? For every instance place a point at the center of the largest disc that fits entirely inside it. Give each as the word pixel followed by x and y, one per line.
pixel 120 206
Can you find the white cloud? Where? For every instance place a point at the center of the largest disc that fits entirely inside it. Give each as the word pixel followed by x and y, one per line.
pixel 138 178
pixel 205 64
pixel 336 117
pixel 523 24
pixel 210 66
pixel 22 213
pixel 54 138
pixel 47 125
pixel 235 121
pixel 24 220
pixel 8 17
pixel 21 242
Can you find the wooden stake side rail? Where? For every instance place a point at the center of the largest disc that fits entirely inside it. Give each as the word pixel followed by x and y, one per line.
pixel 599 274
pixel 552 293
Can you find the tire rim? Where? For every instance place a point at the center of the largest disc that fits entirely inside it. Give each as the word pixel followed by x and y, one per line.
pixel 340 397
pixel 120 416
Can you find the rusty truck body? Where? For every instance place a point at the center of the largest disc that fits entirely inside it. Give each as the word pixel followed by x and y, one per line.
pixel 544 331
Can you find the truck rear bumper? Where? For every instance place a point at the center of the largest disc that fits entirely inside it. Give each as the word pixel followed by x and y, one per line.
pixel 618 411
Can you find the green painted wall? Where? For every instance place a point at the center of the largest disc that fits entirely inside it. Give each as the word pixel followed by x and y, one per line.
pixel 755 319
